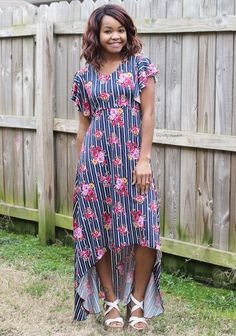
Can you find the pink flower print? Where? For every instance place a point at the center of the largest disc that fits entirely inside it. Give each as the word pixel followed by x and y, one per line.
pixel 143 242
pixel 86 108
pixel 77 233
pixel 156 228
pixel 108 200
pixel 139 198
pixel 85 254
pixel 115 117
pixel 117 250
pixel 89 288
pixel 100 251
pixel 113 139
pixel 130 277
pixel 116 161
pixel 121 185
pixel 121 268
pixel 122 229
pixel 104 96
pixel 138 219
pixel 157 245
pixel 87 191
pixel 152 70
pixel 118 208
pixel 88 86
pixel 153 206
pixel 107 220
pixel 98 114
pixel 135 130
pixel 82 148
pixel 126 80
pixel 122 100
pixel 96 234
pixel 75 223
pixel 76 191
pixel 103 78
pixel 82 168
pixel 89 214
pixel 135 110
pixel 83 70
pixel 105 180
pixel 98 155
pixel 133 149
pixel 74 89
pixel 98 134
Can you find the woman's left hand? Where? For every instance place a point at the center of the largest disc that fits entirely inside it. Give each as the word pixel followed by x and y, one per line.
pixel 142 175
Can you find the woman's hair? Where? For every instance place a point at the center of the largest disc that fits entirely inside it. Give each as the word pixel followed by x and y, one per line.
pixel 91 47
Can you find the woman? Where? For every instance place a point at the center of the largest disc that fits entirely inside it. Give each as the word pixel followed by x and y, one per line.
pixel 116 213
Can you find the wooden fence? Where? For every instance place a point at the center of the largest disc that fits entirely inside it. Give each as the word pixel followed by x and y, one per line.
pixel 193 43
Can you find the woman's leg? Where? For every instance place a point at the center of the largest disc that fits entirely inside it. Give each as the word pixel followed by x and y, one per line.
pixel 144 262
pixel 104 271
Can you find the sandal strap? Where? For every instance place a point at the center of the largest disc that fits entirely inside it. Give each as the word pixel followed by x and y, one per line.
pixel 111 305
pixel 134 320
pixel 111 320
pixel 138 304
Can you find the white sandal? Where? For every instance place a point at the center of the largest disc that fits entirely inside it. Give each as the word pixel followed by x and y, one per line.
pixel 107 323
pixel 133 320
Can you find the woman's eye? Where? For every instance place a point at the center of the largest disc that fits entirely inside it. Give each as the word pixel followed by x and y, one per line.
pixel 107 31
pixel 122 30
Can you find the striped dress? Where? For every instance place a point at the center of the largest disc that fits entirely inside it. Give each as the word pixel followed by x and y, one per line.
pixel 108 212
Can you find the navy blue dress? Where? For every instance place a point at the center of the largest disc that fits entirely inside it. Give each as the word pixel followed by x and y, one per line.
pixel 108 212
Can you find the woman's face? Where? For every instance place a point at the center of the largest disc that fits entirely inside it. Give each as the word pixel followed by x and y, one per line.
pixel 112 35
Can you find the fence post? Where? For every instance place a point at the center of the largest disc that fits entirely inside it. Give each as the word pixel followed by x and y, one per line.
pixel 45 117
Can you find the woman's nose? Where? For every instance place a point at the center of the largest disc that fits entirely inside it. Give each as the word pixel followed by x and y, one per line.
pixel 115 36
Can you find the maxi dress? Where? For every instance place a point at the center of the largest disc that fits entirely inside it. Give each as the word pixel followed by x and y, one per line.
pixel 108 212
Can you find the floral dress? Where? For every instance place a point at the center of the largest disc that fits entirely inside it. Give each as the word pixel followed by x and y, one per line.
pixel 108 212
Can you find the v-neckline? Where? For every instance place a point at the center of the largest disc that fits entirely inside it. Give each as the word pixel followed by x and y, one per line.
pixel 100 74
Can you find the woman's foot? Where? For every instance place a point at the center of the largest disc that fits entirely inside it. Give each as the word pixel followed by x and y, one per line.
pixel 135 314
pixel 113 320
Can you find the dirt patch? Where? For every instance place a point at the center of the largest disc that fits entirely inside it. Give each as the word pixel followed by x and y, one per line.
pixel 43 306
pixel 27 310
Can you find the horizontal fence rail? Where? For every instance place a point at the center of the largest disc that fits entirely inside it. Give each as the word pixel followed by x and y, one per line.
pixel 224 23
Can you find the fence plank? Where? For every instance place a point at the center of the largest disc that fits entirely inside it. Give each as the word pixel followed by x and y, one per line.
pixel 187 225
pixel 157 54
pixel 7 92
pixel 1 131
pixel 74 45
pixel 232 217
pixel 45 147
pixel 17 98
pixel 173 94
pixel 61 144
pixel 206 92
pixel 30 154
pixel 223 115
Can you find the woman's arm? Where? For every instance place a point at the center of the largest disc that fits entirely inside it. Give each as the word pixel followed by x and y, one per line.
pixel 84 123
pixel 142 174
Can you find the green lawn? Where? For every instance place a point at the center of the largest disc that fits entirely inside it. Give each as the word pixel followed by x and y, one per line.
pixel 191 308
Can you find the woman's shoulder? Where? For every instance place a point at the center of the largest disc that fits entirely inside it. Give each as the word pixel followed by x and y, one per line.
pixel 82 71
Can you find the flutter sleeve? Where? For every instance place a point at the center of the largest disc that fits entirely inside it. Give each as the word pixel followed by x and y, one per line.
pixel 145 69
pixel 79 96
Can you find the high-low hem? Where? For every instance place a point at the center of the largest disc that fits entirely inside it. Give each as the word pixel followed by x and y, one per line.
pixel 88 293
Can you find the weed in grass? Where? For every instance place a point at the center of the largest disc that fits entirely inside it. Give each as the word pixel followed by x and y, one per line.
pixel 37 289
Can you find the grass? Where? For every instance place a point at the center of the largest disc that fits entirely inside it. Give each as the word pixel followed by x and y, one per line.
pixel 191 308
